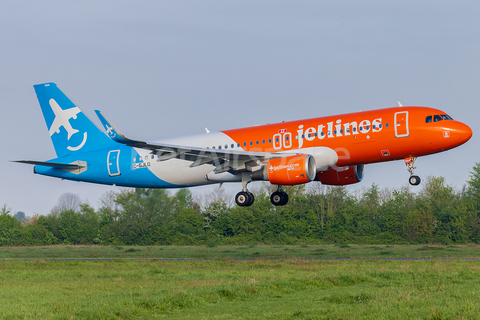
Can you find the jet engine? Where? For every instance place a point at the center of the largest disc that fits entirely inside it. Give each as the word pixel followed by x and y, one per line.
pixel 341 176
pixel 289 170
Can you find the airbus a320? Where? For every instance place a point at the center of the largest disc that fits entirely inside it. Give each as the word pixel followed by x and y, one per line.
pixel 332 149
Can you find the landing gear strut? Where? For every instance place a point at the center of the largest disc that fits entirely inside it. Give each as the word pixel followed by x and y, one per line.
pixel 279 197
pixel 410 162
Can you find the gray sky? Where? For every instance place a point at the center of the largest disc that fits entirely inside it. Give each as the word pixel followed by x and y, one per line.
pixel 168 68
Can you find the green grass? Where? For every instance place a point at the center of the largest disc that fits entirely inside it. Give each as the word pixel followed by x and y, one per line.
pixel 247 251
pixel 228 289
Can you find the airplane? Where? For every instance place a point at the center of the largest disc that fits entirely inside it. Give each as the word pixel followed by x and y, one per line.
pixel 332 149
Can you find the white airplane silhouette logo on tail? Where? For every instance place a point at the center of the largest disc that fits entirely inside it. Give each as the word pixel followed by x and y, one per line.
pixel 62 119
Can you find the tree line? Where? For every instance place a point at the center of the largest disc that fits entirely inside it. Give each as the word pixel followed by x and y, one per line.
pixel 315 214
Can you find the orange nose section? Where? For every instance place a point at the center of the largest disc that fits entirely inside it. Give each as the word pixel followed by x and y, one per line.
pixel 462 132
pixel 465 132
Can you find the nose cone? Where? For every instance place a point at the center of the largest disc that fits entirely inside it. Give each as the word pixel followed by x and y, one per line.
pixel 464 132
pixel 460 132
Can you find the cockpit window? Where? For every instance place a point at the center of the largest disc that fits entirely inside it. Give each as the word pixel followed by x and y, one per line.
pixel 437 118
pixel 446 117
pixel 428 119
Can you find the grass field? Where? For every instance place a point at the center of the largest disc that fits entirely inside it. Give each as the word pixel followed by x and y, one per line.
pixel 249 252
pixel 228 289
pixel 256 288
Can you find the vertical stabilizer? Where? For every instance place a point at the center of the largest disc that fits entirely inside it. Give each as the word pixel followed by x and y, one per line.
pixel 69 128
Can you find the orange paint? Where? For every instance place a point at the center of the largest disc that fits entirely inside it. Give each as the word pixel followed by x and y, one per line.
pixel 361 137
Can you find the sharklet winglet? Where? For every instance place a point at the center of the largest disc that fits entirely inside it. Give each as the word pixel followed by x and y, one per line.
pixel 113 133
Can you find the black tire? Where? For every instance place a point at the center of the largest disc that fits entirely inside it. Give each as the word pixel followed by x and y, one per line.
pixel 285 199
pixel 242 199
pixel 414 180
pixel 251 199
pixel 276 198
pixel 279 198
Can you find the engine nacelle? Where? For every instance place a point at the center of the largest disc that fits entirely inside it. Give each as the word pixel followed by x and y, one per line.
pixel 341 176
pixel 290 170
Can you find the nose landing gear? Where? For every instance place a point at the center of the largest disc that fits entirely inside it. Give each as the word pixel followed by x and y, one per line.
pixel 410 162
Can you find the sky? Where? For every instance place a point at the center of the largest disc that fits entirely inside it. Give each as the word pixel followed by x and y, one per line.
pixel 159 69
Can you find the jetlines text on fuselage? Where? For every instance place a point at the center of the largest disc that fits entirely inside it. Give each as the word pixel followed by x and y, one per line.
pixel 331 130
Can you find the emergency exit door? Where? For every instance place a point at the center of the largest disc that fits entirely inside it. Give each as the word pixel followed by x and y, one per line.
pixel 401 124
pixel 112 163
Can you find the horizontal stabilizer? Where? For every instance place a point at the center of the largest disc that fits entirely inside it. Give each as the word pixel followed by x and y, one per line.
pixel 52 164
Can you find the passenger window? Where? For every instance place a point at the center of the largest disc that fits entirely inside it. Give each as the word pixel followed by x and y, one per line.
pixel 257 142
pixel 428 119
pixel 269 140
pixel 244 144
pixel 226 146
pixel 232 146
pixel 251 143
pixel 219 147
pixel 437 118
pixel 446 117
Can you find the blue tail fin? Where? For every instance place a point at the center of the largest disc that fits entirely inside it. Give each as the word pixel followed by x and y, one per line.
pixel 70 130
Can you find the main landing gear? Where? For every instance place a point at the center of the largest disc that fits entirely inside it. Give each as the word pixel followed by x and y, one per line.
pixel 279 197
pixel 414 180
pixel 245 198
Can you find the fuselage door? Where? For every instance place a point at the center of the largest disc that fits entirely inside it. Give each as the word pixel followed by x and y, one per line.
pixel 401 124
pixel 113 163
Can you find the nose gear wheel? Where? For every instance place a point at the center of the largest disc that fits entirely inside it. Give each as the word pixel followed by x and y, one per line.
pixel 414 180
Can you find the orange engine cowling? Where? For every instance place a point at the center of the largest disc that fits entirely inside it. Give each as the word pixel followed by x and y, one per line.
pixel 291 170
pixel 341 176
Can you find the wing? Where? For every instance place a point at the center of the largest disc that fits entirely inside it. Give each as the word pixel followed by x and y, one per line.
pixel 233 161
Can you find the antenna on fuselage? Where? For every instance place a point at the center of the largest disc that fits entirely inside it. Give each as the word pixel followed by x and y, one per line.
pixel 399 104
pixel 208 131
